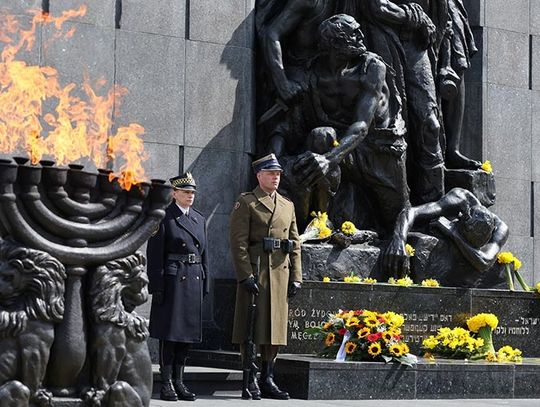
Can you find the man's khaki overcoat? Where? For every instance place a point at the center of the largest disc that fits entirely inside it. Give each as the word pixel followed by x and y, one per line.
pixel 256 215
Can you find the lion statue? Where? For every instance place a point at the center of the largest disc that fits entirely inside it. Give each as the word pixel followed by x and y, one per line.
pixel 121 368
pixel 31 303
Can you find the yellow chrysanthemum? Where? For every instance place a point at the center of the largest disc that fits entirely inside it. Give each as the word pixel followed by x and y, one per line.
pixel 480 320
pixel 430 343
pixel 362 333
pixel 348 228
pixel 404 282
pixel 505 257
pixel 369 280
pixel 486 166
pixel 347 279
pixel 410 250
pixel 350 347
pixel 396 350
pixel 330 339
pixel 430 282
pixel 517 264
pixel 324 232
pixel 538 288
pixel 490 357
pixel 374 349
pixel 393 319
pixel 335 143
pixel 326 279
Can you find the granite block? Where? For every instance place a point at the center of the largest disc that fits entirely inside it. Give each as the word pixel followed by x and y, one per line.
pixel 165 17
pixel 476 11
pixel 225 22
pixel 220 176
pixel 327 260
pixel 99 12
pixel 219 95
pixel 471 138
pixel 512 15
pixel 507 57
pixel 535 136
pixel 88 54
pixel 513 204
pixel 535 62
pixel 518 313
pixel 526 381
pixel 507 132
pixel 480 183
pixel 19 6
pixel 534 16
pixel 461 380
pixel 164 160
pixel 151 67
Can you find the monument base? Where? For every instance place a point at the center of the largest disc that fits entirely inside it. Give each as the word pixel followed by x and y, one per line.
pixel 313 378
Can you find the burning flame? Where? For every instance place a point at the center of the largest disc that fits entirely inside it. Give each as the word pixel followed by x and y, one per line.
pixel 75 127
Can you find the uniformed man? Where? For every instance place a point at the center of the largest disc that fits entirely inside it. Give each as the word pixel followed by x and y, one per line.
pixel 263 228
pixel 178 274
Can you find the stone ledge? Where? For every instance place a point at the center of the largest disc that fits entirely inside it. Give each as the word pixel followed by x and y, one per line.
pixel 313 378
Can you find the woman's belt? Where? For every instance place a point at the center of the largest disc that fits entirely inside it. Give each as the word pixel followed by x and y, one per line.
pixel 190 258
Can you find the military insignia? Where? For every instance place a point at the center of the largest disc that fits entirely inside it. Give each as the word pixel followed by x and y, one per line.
pixel 155 231
pixel 236 205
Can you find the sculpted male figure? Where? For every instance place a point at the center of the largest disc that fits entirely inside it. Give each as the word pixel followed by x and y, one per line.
pixel 475 236
pixel 348 98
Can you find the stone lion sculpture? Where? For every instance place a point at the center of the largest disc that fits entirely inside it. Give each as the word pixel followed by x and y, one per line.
pixel 121 368
pixel 31 302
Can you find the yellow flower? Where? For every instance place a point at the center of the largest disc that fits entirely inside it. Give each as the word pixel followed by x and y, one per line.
pixel 505 257
pixel 480 320
pixel 396 350
pixel 335 143
pixel 362 333
pixel 517 264
pixel 410 250
pixel 326 279
pixel 429 356
pixel 394 320
pixel 486 166
pixel 350 347
pixel 348 228
pixel 371 322
pixel 324 231
pixel 404 282
pixel 330 339
pixel 374 349
pixel 430 282
pixel 405 348
pixel 353 321
pixel 347 279
pixel 430 342
pixel 327 325
pixel 369 280
pixel 490 357
pixel 387 336
pixel 538 288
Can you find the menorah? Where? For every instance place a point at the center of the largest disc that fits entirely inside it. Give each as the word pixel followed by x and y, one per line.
pixel 87 223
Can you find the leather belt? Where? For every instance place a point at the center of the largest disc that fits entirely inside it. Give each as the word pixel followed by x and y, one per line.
pixel 190 258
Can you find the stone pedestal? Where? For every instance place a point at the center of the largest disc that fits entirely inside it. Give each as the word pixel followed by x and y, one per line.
pixel 480 183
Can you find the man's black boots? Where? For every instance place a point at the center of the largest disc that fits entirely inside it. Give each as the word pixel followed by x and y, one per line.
pixel 181 390
pixel 269 389
pixel 167 390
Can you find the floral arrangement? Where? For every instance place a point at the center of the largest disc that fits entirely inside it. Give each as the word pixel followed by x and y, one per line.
pixel 512 265
pixel 474 343
pixel 319 228
pixel 364 335
pixel 410 250
pixel 352 279
pixel 486 166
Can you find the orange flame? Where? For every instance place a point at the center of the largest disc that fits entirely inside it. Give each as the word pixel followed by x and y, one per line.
pixel 75 127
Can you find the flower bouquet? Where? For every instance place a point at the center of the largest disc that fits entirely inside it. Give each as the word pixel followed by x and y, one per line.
pixel 318 229
pixel 512 264
pixel 364 335
pixel 474 343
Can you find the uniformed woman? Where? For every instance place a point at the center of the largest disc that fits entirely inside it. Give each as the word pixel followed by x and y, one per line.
pixel 178 274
